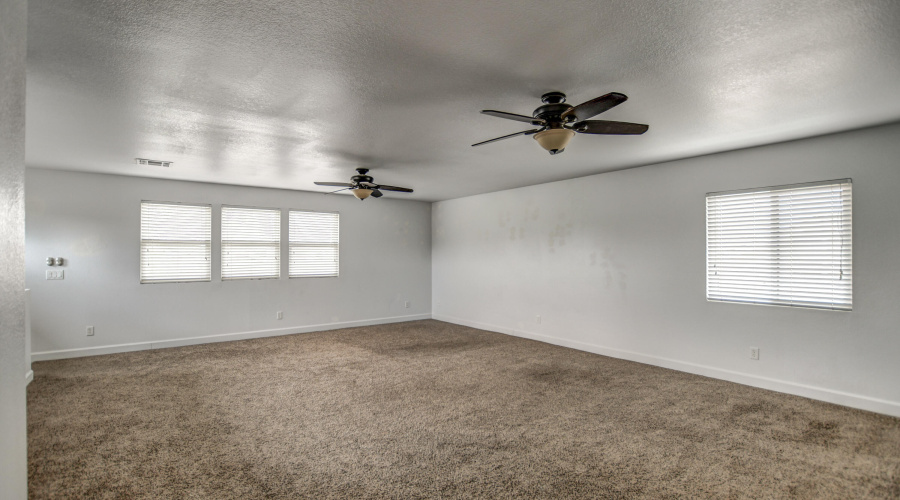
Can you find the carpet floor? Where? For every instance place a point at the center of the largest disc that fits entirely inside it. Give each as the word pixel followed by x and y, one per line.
pixel 428 409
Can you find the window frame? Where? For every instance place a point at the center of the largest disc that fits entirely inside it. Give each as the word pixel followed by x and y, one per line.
pixel 290 245
pixel 222 243
pixel 786 244
pixel 141 241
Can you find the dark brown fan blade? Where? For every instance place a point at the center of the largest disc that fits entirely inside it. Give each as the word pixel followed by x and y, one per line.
pixel 513 116
pixel 609 128
pixel 335 184
pixel 596 106
pixel 377 194
pixel 524 132
pixel 394 188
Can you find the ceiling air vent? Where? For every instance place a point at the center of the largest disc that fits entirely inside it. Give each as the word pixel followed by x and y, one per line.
pixel 152 163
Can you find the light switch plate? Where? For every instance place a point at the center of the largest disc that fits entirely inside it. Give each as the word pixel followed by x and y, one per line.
pixel 56 274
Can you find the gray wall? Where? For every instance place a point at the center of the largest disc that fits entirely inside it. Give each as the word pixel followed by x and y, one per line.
pixel 615 264
pixel 93 221
pixel 13 456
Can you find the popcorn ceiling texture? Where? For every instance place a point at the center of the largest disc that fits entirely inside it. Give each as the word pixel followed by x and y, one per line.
pixel 283 93
pixel 12 249
pixel 430 409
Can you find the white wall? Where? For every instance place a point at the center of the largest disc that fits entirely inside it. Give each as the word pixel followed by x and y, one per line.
pixel 13 442
pixel 93 222
pixel 615 264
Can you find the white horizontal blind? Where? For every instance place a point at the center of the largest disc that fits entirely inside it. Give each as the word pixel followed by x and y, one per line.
pixel 175 242
pixel 251 243
pixel 787 245
pixel 314 244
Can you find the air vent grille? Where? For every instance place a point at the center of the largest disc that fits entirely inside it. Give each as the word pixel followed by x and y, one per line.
pixel 152 163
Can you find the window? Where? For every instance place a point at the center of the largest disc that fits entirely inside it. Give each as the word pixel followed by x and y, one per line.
pixel 314 244
pixel 251 243
pixel 786 245
pixel 175 242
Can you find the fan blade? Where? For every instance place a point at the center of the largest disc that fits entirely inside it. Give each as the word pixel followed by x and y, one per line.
pixel 609 128
pixel 596 106
pixel 513 116
pixel 377 194
pixel 334 184
pixel 524 132
pixel 394 188
pixel 338 191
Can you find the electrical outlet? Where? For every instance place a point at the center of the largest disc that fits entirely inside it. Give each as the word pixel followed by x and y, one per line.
pixel 406 304
pixel 537 319
pixel 754 353
pixel 90 331
pixel 278 315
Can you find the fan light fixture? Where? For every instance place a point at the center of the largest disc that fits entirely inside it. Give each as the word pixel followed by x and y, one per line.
pixel 554 139
pixel 361 193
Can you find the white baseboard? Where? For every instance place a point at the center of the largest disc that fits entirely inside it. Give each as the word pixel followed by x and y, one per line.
pixel 29 377
pixel 225 337
pixel 822 394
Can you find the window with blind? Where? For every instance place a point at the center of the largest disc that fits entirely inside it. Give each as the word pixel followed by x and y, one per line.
pixel 175 242
pixel 786 245
pixel 251 243
pixel 314 244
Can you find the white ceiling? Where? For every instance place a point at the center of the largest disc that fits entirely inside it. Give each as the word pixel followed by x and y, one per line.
pixel 282 93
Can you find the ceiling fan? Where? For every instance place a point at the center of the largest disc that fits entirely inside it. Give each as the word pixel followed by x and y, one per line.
pixel 559 121
pixel 362 186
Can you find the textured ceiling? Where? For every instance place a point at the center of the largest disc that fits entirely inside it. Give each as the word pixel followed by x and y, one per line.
pixel 282 93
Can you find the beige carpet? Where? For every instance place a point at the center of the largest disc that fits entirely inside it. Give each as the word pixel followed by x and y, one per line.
pixel 430 409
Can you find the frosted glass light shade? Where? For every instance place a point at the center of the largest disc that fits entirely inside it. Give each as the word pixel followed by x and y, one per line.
pixel 554 139
pixel 361 193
